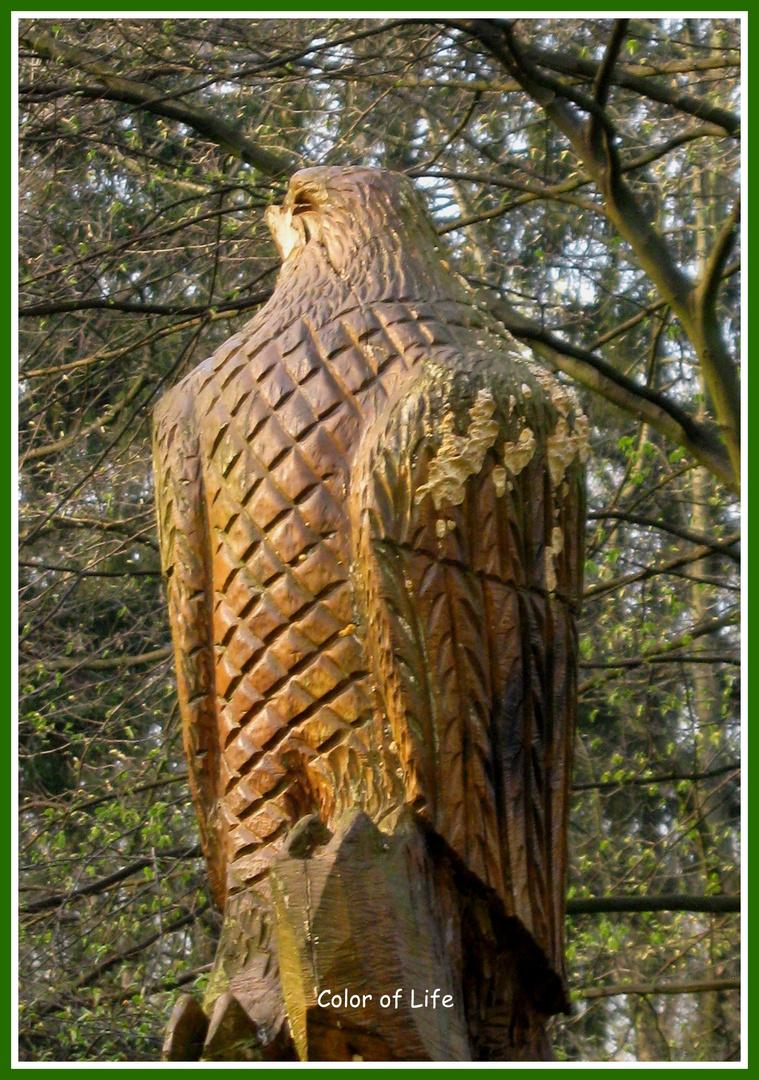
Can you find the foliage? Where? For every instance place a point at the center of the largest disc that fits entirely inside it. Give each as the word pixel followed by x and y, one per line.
pixel 584 174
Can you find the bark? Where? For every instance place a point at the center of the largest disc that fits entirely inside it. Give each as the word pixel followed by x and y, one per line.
pixel 107 664
pixel 594 904
pixel 705 987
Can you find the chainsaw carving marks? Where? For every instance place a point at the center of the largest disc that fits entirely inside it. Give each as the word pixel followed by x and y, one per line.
pixel 474 657
pixel 185 558
pixel 370 512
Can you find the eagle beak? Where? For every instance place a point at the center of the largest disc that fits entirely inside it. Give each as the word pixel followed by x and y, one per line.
pixel 287 235
pixel 293 224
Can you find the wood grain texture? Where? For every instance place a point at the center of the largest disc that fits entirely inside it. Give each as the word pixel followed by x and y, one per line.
pixel 358 886
pixel 371 516
pixel 185 558
pixel 474 655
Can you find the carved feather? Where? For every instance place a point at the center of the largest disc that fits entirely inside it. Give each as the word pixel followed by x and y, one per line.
pixel 473 653
pixel 185 557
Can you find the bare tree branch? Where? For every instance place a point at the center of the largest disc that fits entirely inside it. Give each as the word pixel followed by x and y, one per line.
pixel 705 293
pixel 660 778
pixel 719 547
pixel 645 86
pixel 708 987
pixel 132 307
pixel 660 150
pixel 105 883
pixel 602 587
pixel 111 414
pixel 91 976
pixel 159 986
pixel 645 404
pixel 662 658
pixel 79 572
pixel 223 134
pixel 593 142
pixel 592 905
pixel 602 80
pixel 107 664
pixel 71 521
pixel 87 804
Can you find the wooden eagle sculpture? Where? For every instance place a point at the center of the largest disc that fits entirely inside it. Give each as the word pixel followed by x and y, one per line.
pixel 371 514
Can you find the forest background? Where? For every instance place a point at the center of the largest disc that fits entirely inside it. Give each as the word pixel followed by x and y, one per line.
pixel 585 177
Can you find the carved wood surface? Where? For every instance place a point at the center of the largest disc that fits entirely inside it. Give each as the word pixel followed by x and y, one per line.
pixel 359 886
pixel 370 512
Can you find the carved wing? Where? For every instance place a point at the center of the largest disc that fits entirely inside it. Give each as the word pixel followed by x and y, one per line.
pixel 469 564
pixel 186 564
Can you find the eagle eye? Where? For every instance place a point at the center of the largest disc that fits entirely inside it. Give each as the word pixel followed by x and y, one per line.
pixel 302 204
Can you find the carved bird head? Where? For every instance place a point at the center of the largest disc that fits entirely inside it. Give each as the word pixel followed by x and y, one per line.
pixel 365 222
